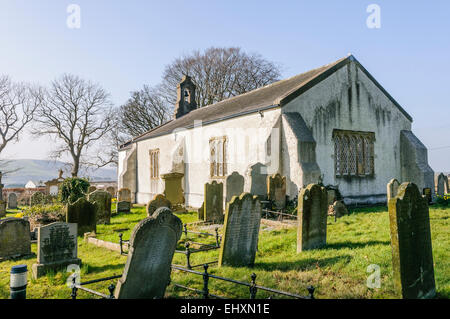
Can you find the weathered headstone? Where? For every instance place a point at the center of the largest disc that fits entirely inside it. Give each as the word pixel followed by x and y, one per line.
pixel 37 198
pixel 427 194
pixel 102 200
pixel 151 249
pixel 123 200
pixel 440 185
pixel 276 190
pixel 337 209
pixel 446 185
pixel 234 185
pixel 213 207
pixel 112 191
pixel 57 248
pixel 241 231
pixel 312 217
pixel 412 256
pixel 83 213
pixel 15 239
pixel 92 189
pixel 173 190
pixel 201 212
pixel 12 201
pixel 392 188
pixel 158 201
pixel 258 180
pixel 2 208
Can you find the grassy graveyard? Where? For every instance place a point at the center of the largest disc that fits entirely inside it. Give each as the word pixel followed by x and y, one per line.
pixel 337 271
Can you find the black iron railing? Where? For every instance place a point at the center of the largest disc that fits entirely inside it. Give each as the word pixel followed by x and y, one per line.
pixel 267 213
pixel 253 287
pixel 76 287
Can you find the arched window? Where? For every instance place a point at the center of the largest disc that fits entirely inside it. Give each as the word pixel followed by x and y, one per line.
pixel 353 153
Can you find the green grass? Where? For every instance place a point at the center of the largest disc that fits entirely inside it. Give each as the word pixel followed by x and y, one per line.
pixel 338 270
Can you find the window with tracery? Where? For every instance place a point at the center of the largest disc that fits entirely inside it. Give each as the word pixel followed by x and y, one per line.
pixel 353 153
pixel 217 147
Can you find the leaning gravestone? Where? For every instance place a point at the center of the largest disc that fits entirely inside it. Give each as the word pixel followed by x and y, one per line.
pixel 312 217
pixel 123 200
pixel 440 186
pixel 241 230
pixel 412 256
pixel 392 189
pixel 57 248
pixel 12 201
pixel 83 213
pixel 276 190
pixel 102 201
pixel 148 266
pixel 15 238
pixel 213 207
pixel 234 185
pixel 158 201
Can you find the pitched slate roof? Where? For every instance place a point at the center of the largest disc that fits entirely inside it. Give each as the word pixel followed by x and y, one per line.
pixel 270 96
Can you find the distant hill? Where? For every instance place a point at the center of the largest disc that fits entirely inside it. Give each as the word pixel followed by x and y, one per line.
pixel 24 170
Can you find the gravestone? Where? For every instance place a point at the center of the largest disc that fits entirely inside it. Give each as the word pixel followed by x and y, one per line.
pixel 2 208
pixel 201 212
pixel 213 205
pixel 241 231
pixel 276 190
pixel 92 189
pixel 123 201
pixel 112 191
pixel 37 198
pixel 258 180
pixel 102 201
pixel 412 256
pixel 15 238
pixel 57 248
pixel 12 201
pixel 312 217
pixel 392 189
pixel 2 202
pixel 440 185
pixel 173 190
pixel 158 201
pixel 234 185
pixel 446 185
pixel 83 213
pixel 427 194
pixel 152 245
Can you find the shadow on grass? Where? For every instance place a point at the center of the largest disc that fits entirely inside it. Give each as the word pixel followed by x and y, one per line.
pixel 303 264
pixel 353 245
pixel 98 269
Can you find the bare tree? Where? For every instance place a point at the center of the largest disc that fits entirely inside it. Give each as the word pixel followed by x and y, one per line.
pixel 144 110
pixel 78 114
pixel 219 73
pixel 18 103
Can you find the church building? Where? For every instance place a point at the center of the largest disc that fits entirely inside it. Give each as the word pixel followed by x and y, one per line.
pixel 335 125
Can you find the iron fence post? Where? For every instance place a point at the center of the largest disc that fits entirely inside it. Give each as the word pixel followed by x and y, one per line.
pixel 311 291
pixel 188 255
pixel 120 242
pixel 74 288
pixel 111 290
pixel 217 237
pixel 205 282
pixel 185 230
pixel 253 288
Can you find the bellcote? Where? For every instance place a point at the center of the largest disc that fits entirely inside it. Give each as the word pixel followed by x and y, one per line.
pixel 185 97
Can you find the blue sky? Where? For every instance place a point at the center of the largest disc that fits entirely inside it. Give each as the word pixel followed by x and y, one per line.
pixel 125 44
